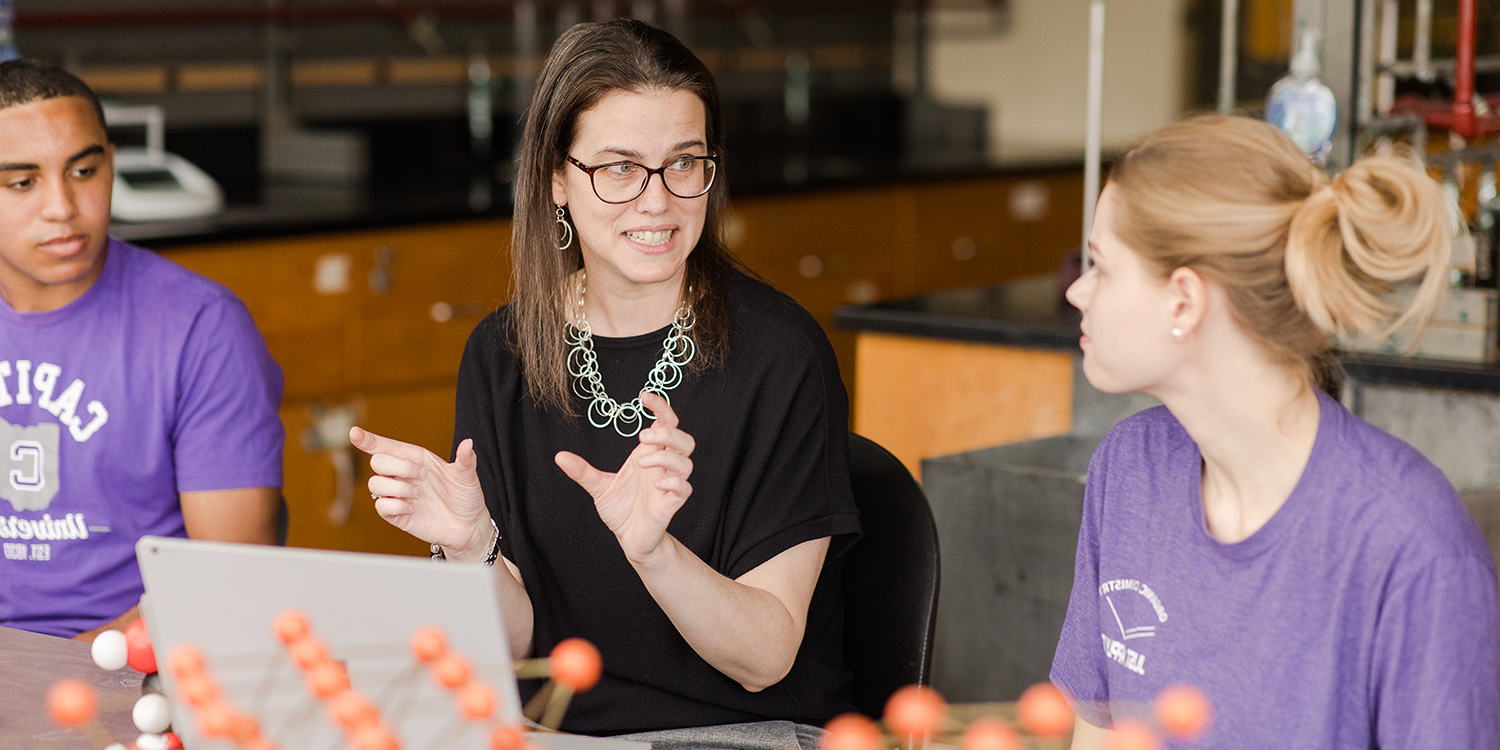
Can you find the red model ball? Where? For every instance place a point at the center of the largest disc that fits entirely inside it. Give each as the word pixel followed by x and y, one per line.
pixel 138 652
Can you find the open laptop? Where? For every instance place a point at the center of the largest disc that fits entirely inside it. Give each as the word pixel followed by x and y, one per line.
pixel 222 598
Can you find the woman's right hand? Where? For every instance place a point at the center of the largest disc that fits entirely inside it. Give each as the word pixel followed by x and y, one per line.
pixel 425 496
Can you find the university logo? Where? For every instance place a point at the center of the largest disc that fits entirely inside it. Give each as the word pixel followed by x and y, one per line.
pixel 28 464
pixel 1135 611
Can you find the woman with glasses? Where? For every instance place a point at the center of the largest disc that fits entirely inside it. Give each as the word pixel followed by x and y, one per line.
pixel 633 356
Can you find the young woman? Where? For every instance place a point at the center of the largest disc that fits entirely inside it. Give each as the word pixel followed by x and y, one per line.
pixel 1318 579
pixel 634 355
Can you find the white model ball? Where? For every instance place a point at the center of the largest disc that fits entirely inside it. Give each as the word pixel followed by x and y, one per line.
pixel 152 714
pixel 109 650
pixel 150 741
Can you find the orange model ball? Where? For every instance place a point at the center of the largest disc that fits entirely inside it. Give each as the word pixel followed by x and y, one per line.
pixel 374 737
pixel 290 626
pixel 198 690
pixel 326 680
pixel 427 644
pixel 71 702
pixel 217 720
pixel 575 663
pixel 1130 734
pixel 1043 711
pixel 915 710
pixel 451 671
pixel 186 661
pixel 851 732
pixel 476 701
pixel 1184 711
pixel 990 733
pixel 308 653
pixel 351 710
pixel 506 737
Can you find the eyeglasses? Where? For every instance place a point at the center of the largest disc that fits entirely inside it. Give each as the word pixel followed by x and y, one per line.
pixel 624 181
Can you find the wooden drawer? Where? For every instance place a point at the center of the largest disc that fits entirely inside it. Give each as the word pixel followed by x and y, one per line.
pixel 422 292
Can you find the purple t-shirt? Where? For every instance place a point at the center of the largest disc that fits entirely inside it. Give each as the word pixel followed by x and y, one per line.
pixel 1362 615
pixel 154 382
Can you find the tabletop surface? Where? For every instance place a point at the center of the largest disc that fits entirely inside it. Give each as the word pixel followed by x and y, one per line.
pixel 31 663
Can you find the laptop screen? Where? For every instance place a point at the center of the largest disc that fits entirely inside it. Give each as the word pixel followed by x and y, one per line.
pixel 222 598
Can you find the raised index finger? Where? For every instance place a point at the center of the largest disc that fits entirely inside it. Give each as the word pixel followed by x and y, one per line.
pixel 372 444
pixel 660 407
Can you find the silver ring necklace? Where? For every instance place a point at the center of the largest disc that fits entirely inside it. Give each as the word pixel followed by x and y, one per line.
pixel 627 418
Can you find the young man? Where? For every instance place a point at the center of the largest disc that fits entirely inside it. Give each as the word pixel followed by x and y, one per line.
pixel 135 397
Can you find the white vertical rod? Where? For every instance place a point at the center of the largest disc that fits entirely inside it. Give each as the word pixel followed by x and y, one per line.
pixel 1364 97
pixel 1095 122
pixel 1385 83
pixel 1421 43
pixel 1229 45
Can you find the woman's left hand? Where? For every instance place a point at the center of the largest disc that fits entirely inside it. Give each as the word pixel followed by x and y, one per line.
pixel 638 501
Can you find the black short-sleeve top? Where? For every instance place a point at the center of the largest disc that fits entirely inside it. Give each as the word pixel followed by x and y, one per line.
pixel 770 471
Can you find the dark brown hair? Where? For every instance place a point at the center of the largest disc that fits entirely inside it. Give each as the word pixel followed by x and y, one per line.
pixel 589 61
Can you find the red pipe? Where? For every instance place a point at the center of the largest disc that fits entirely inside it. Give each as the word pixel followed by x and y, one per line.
pixel 1463 79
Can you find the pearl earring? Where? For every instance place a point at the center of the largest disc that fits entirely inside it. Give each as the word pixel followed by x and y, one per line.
pixel 1177 334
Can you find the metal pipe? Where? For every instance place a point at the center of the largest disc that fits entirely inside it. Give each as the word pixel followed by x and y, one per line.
pixel 1364 98
pixel 1094 124
pixel 1421 43
pixel 1228 55
pixel 1463 74
pixel 1444 66
pixel 1385 84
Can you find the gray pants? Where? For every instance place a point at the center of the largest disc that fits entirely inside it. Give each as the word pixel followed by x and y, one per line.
pixel 758 735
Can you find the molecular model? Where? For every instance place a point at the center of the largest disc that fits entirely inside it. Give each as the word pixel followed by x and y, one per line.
pixel 916 713
pixel 365 722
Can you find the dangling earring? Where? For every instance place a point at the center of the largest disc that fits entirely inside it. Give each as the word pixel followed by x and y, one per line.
pixel 1176 334
pixel 565 230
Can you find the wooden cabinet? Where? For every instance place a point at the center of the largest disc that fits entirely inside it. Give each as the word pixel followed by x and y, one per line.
pixel 369 326
pixel 829 249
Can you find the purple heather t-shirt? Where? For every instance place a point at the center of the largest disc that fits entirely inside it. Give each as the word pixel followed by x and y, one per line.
pixel 154 382
pixel 1362 615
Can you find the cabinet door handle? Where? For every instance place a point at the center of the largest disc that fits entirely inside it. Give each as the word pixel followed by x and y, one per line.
pixel 383 275
pixel 810 266
pixel 444 312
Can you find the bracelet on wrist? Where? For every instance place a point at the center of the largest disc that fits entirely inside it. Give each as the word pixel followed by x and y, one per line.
pixel 490 556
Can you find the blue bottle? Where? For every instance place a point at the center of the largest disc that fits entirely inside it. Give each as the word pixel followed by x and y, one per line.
pixel 7 32
pixel 1301 105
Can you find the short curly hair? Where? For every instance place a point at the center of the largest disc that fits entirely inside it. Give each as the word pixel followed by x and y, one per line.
pixel 23 81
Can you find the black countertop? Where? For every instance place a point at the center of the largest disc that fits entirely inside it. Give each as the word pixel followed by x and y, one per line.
pixel 1032 313
pixel 426 172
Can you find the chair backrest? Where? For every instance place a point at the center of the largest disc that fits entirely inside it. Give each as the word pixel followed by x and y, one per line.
pixel 890 579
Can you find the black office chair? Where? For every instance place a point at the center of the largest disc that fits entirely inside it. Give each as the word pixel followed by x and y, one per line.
pixel 890 579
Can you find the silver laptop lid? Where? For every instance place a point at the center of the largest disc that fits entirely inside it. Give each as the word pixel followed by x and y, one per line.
pixel 222 598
